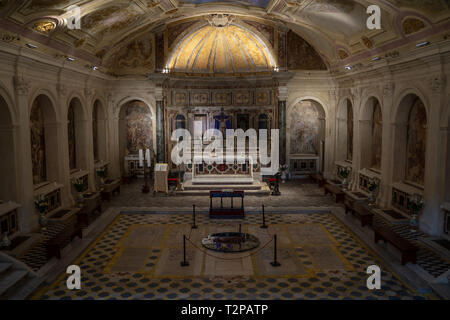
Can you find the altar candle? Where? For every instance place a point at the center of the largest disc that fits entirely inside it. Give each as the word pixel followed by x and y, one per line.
pixel 147 155
pixel 141 158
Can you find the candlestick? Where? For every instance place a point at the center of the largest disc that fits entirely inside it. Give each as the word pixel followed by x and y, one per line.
pixel 141 158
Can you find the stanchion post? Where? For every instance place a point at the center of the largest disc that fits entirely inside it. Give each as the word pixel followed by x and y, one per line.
pixel 264 219
pixel 184 263
pixel 275 263
pixel 194 226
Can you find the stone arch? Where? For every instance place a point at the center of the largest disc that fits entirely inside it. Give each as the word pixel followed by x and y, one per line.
pixel 306 131
pixel 131 125
pixel 99 131
pixel 410 140
pixel 77 134
pixel 370 133
pixel 44 139
pixel 344 129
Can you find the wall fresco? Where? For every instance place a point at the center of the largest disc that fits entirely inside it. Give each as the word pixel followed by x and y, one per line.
pixel 416 145
pixel 377 127
pixel 349 131
pixel 139 127
pixel 301 55
pixel 304 130
pixel 37 133
pixel 71 138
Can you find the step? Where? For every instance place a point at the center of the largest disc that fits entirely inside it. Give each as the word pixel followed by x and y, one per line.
pixel 9 279
pixel 25 288
pixel 4 266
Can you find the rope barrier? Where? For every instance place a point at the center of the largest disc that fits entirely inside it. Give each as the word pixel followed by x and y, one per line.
pixel 221 258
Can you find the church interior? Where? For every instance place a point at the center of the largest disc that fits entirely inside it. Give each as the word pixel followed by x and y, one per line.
pixel 355 205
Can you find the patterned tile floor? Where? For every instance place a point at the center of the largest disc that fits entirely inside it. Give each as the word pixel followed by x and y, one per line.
pixel 329 263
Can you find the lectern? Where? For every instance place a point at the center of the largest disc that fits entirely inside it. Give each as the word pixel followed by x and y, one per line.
pixel 161 176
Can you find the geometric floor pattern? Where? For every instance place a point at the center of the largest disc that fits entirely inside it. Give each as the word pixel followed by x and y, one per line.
pixel 138 257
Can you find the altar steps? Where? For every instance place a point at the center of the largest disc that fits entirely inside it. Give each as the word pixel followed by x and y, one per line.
pixel 256 188
pixel 214 179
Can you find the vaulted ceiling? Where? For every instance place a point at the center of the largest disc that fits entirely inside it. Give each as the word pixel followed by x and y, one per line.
pixel 114 34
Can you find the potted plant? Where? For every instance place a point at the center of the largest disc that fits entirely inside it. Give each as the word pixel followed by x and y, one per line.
pixel 344 173
pixel 372 185
pixel 101 174
pixel 41 204
pixel 79 187
pixel 415 206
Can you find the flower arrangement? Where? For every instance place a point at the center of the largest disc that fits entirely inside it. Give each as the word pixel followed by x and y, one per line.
pixel 78 184
pixel 41 204
pixel 415 204
pixel 344 172
pixel 101 173
pixel 372 185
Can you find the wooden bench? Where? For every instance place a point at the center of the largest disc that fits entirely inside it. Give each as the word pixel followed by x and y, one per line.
pixel 317 178
pixel 363 213
pixel 335 190
pixel 110 189
pixel 63 238
pixel 408 250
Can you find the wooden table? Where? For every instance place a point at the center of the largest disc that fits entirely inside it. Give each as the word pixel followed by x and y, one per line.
pixel 335 190
pixel 408 250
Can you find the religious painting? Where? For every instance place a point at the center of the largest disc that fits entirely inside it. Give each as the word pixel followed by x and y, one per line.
pixel 349 131
pixel 139 127
pixel 159 51
pixel 282 63
pixel 71 138
pixel 304 129
pixel 37 134
pixel 301 55
pixel 416 145
pixel 255 3
pixel 266 30
pixel 136 57
pixel 95 131
pixel 377 127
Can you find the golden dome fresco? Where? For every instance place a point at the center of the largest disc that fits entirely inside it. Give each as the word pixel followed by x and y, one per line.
pixel 223 50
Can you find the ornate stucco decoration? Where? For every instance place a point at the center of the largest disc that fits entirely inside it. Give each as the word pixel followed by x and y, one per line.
pixel 437 83
pixel 22 85
pixel 9 37
pixel 220 20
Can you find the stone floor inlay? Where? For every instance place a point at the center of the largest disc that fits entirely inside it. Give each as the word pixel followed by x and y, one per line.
pixel 139 255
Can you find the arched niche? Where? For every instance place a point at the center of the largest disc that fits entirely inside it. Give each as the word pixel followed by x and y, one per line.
pixel 135 130
pixel 76 135
pixel 370 134
pixel 8 163
pixel 410 141
pixel 344 148
pixel 306 136
pixel 99 129
pixel 43 133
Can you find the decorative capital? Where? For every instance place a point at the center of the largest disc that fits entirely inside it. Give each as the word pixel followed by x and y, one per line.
pixel 282 93
pixel 388 89
pixel 62 89
pixel 437 83
pixel 21 85
pixel 88 93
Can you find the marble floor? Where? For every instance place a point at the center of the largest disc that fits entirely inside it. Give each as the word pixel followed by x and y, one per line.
pixel 138 257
